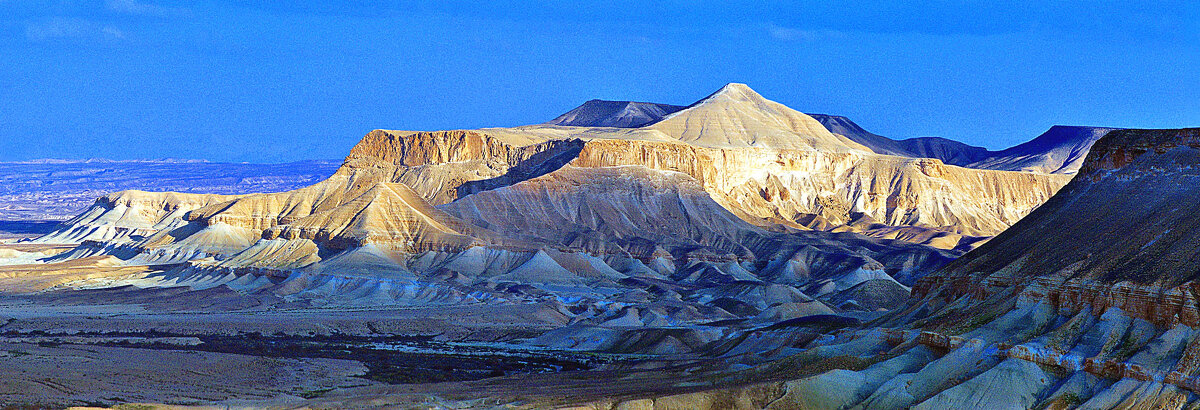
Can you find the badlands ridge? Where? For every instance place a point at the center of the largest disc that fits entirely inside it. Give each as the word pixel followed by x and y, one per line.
pixel 733 233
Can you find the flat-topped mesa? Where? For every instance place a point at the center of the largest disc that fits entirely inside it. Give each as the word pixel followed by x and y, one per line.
pixel 445 165
pixel 1129 218
pixel 744 149
pixel 381 156
pixel 416 149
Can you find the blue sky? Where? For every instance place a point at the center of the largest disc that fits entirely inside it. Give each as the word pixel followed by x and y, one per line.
pixel 269 81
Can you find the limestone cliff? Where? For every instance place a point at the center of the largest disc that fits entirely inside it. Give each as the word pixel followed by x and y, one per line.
pixel 793 186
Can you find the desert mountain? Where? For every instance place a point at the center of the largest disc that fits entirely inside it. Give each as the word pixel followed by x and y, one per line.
pixel 731 153
pixel 733 116
pixel 733 209
pixel 1060 150
pixel 725 191
pixel 578 224
pixel 619 114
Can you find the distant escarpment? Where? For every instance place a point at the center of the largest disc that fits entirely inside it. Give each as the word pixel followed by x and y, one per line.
pixel 1060 150
pixel 61 189
pixel 619 114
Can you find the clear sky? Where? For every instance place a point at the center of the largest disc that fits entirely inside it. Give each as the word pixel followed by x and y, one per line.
pixel 268 81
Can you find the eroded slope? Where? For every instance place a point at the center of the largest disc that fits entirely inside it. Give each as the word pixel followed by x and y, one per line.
pixel 1089 302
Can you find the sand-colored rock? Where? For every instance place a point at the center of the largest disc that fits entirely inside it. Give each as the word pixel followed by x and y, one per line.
pixel 736 116
pixel 387 213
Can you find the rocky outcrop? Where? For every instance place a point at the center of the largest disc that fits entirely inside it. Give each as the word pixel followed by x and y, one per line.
pixel 618 114
pixel 1098 283
pixel 128 215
